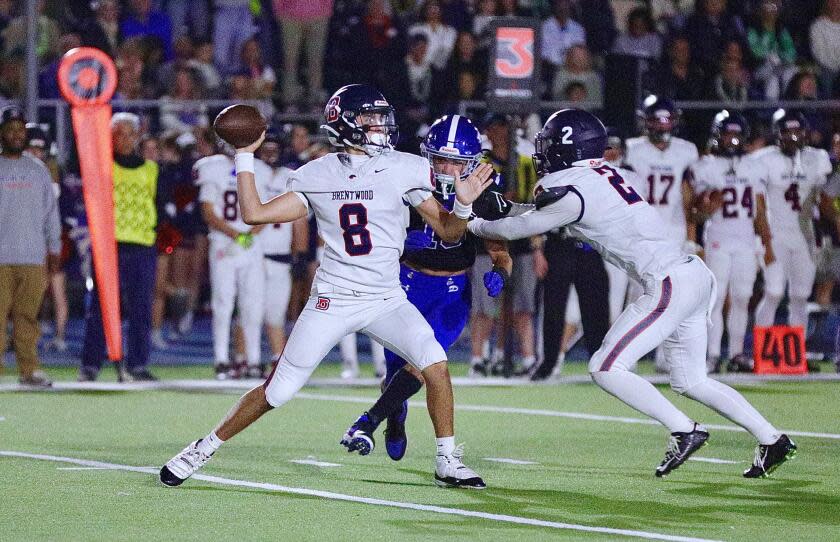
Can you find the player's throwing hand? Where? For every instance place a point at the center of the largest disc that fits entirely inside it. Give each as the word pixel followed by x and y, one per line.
pixel 468 190
pixel 253 146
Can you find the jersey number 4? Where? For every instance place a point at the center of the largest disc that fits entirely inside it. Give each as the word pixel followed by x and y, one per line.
pixel 353 220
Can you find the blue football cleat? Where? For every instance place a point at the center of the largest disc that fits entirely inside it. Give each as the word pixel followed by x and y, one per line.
pixel 359 437
pixel 395 439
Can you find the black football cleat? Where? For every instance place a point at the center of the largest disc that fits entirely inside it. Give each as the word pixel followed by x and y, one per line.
pixel 396 440
pixel 769 456
pixel 680 448
pixel 359 437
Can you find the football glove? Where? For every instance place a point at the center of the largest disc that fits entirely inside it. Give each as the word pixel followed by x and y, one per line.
pixel 495 280
pixel 417 240
pixel 491 205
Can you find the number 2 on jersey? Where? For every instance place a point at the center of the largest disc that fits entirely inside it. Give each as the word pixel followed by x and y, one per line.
pixel 353 220
pixel 617 182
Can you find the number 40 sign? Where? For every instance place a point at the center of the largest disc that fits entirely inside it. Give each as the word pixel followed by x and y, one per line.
pixel 779 350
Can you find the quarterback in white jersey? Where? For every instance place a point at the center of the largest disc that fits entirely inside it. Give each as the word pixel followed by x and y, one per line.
pixel 283 246
pixel 797 175
pixel 661 162
pixel 359 199
pixel 234 260
pixel 597 203
pixel 730 192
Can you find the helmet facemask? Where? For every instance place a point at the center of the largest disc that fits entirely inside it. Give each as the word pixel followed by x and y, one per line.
pixel 792 139
pixel 448 167
pixel 660 126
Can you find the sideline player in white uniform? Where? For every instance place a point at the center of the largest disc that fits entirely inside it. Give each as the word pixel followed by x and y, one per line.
pixel 596 203
pixel 235 261
pixel 661 162
pixel 797 174
pixel 730 191
pixel 358 197
pixel 283 248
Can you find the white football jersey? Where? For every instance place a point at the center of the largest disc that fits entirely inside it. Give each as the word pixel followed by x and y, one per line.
pixel 216 178
pixel 792 186
pixel 660 175
pixel 360 204
pixel 276 238
pixel 740 180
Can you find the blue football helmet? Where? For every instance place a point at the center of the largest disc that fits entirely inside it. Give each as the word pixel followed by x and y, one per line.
pixel 791 130
pixel 730 131
pixel 452 137
pixel 661 117
pixel 353 112
pixel 568 136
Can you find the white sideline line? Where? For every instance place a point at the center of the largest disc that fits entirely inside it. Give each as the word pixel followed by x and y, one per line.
pixel 510 461
pixel 504 518
pixel 714 460
pixel 551 413
pixel 314 463
pixel 93 468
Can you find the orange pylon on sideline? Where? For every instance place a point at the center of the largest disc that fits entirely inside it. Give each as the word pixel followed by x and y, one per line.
pixel 87 78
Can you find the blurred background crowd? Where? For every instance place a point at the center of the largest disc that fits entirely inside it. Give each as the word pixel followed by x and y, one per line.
pixel 181 61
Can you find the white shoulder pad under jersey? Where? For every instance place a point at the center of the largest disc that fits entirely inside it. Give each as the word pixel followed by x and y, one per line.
pixel 360 204
pixel 216 178
pixel 660 175
pixel 739 180
pixel 276 238
pixel 792 187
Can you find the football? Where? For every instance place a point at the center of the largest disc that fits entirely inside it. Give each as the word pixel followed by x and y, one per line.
pixel 239 125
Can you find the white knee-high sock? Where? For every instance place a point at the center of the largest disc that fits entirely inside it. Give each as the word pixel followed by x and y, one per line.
pixel 737 324
pixel 729 403
pixel 641 395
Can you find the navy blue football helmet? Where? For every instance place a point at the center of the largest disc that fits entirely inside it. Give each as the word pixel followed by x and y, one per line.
pixel 661 117
pixel 791 130
pixel 456 138
pixel 730 131
pixel 359 116
pixel 568 136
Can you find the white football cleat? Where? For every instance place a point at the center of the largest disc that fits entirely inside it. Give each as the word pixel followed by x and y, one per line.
pixel 451 471
pixel 183 465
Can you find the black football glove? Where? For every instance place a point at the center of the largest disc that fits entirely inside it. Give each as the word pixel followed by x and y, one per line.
pixel 491 205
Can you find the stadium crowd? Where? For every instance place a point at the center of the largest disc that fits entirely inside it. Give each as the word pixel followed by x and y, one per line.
pixel 425 57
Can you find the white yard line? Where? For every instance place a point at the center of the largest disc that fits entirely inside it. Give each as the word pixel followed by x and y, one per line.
pixel 93 468
pixel 550 413
pixel 714 460
pixel 503 518
pixel 314 463
pixel 510 461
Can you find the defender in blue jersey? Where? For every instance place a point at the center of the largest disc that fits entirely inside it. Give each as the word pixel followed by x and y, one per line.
pixel 433 275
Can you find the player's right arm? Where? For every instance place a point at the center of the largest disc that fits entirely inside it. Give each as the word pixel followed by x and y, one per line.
pixel 565 209
pixel 762 228
pixel 287 207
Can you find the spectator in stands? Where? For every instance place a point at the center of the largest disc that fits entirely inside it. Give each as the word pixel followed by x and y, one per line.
pixel 679 78
pixel 825 41
pixel 189 17
pixel 260 75
pixel 46 45
pixel 48 75
pixel 732 83
pixel 487 10
pixel 202 63
pixel 464 75
pixel 143 22
pixel 102 30
pixel 559 33
pixel 771 47
pixel 7 9
pixel 708 30
pixel 135 217
pixel 804 86
pixel 30 244
pixel 575 92
pixel 299 18
pixel 578 69
pixel 641 38
pixel 440 36
pixel 183 117
pixel 11 76
pixel 183 50
pixel 233 25
pixel 457 14
pixel 670 15
pixel 419 68
pixel 598 21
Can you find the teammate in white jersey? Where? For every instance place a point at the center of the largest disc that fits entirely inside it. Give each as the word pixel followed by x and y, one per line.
pixel 595 202
pixel 283 248
pixel 359 199
pixel 730 192
pixel 235 261
pixel 661 161
pixel 797 175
